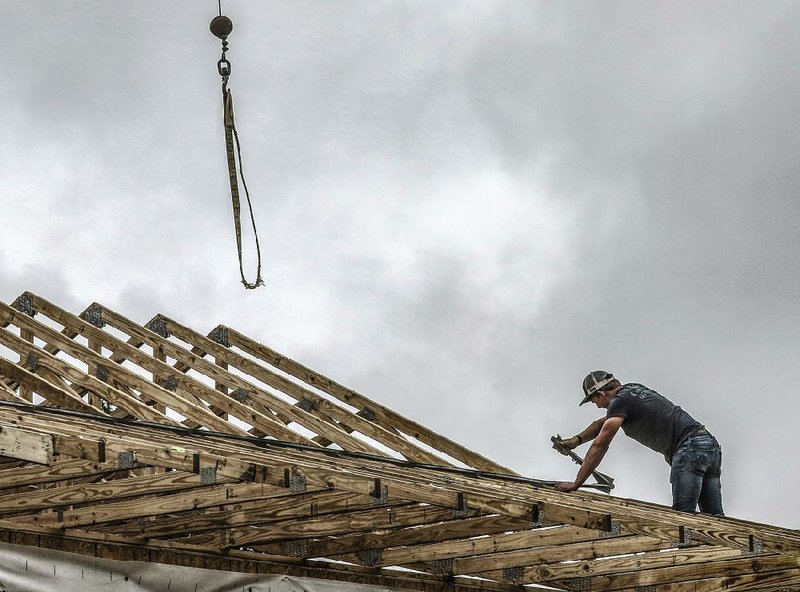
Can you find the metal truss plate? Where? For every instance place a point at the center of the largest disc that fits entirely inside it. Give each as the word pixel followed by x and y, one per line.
pixel 25 304
pixel 648 588
pixel 306 404
pixel 32 361
pixel 684 536
pixel 126 460
pixel 102 373
pixel 297 548
pixel 580 584
pixel 220 335
pixel 513 574
pixel 442 566
pixel 366 413
pixel 371 557
pixel 755 547
pixel 616 530
pixel 171 383
pixel 241 395
pixel 158 325
pixel 297 483
pixel 538 517
pixel 208 475
pixel 462 511
pixel 94 316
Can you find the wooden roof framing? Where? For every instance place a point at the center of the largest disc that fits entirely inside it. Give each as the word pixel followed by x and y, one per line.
pixel 158 443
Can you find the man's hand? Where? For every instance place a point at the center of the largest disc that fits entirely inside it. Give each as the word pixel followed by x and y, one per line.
pixel 570 443
pixel 567 487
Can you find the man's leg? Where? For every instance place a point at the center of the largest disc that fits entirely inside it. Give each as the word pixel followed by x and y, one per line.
pixel 686 481
pixel 711 492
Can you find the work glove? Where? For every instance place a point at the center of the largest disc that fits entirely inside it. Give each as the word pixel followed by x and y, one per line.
pixel 569 443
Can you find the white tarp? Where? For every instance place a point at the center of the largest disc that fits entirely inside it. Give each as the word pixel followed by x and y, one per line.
pixel 29 569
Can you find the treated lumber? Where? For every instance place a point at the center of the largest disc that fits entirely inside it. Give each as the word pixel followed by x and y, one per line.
pixel 61 368
pixel 154 366
pixel 364 521
pixel 116 372
pixel 62 470
pixel 447 530
pixel 334 415
pixel 552 554
pixel 258 400
pixel 527 540
pixel 703 576
pixel 25 445
pixel 247 511
pixel 350 397
pixel 55 393
pixel 92 493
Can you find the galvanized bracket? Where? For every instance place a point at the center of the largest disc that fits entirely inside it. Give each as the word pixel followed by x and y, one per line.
pixel 220 335
pixel 94 316
pixel 380 493
pixel 126 460
pixel 32 361
pixel 102 373
pixel 297 548
pixel 513 574
pixel 306 404
pixel 297 483
pixel 371 557
pixel 208 475
pixel 60 515
pixel 580 584
pixel 684 536
pixel 648 588
pixel 616 530
pixel 366 413
pixel 158 325
pixel 462 510
pixel 538 516
pixel 25 304
pixel 171 383
pixel 754 547
pixel 442 567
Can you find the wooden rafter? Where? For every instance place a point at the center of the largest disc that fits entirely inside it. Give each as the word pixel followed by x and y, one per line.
pixel 168 445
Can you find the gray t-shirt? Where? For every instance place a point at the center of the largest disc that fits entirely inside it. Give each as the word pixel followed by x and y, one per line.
pixel 652 419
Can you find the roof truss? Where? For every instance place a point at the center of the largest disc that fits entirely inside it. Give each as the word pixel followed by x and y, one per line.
pixel 158 443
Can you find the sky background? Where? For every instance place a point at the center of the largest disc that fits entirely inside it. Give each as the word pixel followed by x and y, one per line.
pixel 463 206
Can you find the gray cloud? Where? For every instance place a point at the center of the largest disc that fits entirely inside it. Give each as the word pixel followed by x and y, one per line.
pixel 464 206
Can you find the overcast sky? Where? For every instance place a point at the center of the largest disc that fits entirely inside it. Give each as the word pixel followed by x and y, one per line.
pixel 464 206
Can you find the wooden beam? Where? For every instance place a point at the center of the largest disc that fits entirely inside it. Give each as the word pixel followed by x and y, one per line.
pixel 309 416
pixel 24 445
pixel 358 401
pixel 700 576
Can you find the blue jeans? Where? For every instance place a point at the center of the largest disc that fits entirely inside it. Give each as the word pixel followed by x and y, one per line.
pixel 696 468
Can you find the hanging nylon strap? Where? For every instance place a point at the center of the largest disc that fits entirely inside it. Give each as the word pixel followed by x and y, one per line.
pixel 235 171
pixel 232 135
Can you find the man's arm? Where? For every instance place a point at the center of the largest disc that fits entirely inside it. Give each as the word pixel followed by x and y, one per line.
pixel 590 433
pixel 602 441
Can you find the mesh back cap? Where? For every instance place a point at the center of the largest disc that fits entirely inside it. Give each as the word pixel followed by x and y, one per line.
pixel 595 381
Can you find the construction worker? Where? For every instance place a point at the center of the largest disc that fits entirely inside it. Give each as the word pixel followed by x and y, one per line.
pixel 650 419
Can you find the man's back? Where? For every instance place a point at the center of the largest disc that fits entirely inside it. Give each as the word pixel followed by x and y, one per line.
pixel 652 419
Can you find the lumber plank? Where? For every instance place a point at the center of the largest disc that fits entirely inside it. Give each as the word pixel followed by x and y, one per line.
pixel 358 401
pixel 25 445
pixel 92 493
pixel 257 399
pixel 336 417
pixel 116 372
